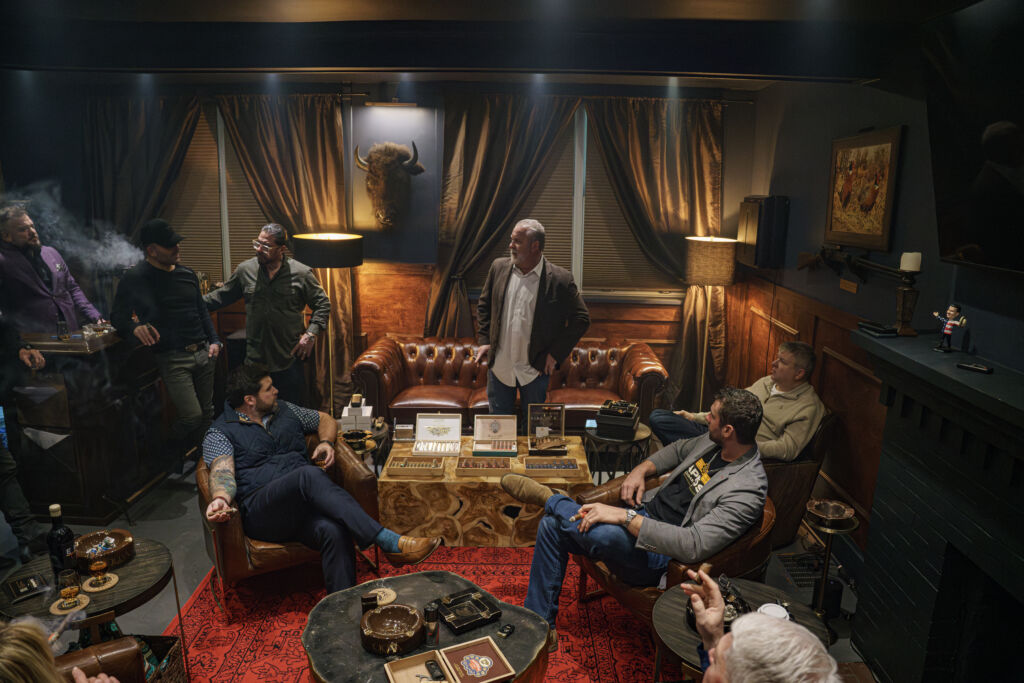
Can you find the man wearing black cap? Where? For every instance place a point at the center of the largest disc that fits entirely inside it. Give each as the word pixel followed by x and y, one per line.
pixel 160 303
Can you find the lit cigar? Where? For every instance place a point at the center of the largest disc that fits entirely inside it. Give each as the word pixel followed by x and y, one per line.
pixel 578 516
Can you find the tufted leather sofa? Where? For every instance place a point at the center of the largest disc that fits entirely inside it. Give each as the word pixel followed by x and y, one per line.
pixel 403 376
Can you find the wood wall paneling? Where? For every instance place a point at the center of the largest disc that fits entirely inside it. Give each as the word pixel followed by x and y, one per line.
pixel 392 297
pixel 760 317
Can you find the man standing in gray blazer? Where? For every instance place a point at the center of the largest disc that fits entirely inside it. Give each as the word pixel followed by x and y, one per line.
pixel 530 314
pixel 715 492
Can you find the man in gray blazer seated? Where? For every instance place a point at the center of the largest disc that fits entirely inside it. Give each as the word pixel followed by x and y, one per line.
pixel 715 493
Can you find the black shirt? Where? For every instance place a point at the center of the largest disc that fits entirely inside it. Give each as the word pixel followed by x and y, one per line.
pixel 673 499
pixel 170 301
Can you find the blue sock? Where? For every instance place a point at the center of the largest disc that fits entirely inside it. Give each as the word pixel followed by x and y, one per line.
pixel 387 540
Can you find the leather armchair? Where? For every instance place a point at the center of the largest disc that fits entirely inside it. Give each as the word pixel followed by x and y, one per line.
pixel 121 658
pixel 746 558
pixel 235 556
pixel 790 483
pixel 403 376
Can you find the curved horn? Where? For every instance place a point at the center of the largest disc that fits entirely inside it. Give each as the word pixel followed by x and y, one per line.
pixel 361 162
pixel 415 157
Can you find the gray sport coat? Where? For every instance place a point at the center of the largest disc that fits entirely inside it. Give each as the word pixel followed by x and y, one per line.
pixel 729 504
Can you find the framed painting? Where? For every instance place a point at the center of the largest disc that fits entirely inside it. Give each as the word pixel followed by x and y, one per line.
pixel 862 187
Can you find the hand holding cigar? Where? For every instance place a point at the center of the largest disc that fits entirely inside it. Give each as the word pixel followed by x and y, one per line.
pixel 578 516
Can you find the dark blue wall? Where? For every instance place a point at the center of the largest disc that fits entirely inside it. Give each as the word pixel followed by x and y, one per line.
pixel 794 126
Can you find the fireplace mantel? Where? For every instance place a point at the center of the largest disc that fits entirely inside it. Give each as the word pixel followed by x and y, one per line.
pixel 950 484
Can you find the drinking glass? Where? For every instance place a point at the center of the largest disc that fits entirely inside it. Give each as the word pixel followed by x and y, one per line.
pixel 69 585
pixel 98 570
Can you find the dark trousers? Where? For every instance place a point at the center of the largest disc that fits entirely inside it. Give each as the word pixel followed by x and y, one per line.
pixel 291 383
pixel 12 501
pixel 669 427
pixel 305 505
pixel 502 398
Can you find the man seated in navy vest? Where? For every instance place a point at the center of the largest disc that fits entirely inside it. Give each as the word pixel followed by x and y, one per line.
pixel 256 452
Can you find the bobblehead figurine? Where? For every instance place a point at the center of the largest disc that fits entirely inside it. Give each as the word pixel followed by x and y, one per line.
pixel 952 319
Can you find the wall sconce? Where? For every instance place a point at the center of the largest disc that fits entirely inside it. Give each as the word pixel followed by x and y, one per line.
pixel 906 273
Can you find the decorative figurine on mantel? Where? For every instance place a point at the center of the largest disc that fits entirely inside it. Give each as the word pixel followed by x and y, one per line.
pixel 952 319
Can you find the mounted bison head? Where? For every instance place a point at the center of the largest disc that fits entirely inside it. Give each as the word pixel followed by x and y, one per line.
pixel 388 167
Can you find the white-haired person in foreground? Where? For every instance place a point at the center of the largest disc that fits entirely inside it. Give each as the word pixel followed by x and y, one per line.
pixel 758 648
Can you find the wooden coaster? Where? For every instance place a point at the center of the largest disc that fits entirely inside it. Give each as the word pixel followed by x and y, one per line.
pixel 385 596
pixel 83 602
pixel 111 581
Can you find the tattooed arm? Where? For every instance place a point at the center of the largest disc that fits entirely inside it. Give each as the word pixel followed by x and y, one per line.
pixel 219 456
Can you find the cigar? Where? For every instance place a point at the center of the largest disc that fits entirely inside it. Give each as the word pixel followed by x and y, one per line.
pixel 705 567
pixel 578 516
pixel 60 629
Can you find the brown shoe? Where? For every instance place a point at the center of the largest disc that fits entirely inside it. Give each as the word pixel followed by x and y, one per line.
pixel 413 550
pixel 552 640
pixel 526 490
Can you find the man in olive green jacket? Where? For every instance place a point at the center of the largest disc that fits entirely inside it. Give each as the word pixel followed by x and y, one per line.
pixel 277 290
pixel 792 410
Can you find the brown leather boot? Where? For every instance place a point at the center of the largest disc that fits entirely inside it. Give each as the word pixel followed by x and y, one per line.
pixel 413 550
pixel 526 490
pixel 552 640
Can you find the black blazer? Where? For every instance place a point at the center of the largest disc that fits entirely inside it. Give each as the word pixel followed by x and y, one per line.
pixel 559 320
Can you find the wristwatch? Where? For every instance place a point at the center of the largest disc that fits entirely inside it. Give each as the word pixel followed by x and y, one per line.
pixel 630 514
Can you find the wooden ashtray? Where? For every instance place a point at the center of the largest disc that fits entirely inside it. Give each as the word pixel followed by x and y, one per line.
pixel 830 513
pixel 391 630
pixel 90 547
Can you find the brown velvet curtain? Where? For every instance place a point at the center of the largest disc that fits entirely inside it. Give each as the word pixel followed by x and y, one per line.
pixel 290 149
pixel 134 148
pixel 664 159
pixel 495 149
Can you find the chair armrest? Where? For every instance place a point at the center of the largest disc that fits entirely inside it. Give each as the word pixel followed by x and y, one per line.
pixel 357 478
pixel 608 492
pixel 380 373
pixel 225 541
pixel 121 658
pixel 642 377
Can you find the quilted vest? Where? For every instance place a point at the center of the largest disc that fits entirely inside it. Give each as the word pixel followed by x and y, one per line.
pixel 263 454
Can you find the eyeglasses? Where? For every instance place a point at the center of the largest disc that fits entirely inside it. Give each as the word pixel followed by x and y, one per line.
pixel 263 246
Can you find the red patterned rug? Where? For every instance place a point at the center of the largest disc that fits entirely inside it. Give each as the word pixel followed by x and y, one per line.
pixel 598 640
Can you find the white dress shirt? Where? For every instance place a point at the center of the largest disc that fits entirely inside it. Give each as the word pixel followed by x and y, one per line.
pixel 512 362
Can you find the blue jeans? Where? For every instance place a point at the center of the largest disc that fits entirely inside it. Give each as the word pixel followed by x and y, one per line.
pixel 501 398
pixel 669 427
pixel 610 543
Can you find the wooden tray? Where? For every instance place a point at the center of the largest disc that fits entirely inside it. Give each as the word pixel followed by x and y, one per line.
pixel 548 466
pixel 482 466
pixel 123 550
pixel 401 466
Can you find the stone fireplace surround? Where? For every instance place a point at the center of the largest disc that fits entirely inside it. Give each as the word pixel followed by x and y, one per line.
pixel 942 585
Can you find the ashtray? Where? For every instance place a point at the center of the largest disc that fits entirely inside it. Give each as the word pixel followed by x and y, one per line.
pixel 391 630
pixel 830 513
pixel 116 546
pixel 467 610
pixel 356 438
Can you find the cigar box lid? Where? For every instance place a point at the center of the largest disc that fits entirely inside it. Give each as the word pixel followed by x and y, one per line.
pixel 438 427
pixel 494 428
pixel 479 660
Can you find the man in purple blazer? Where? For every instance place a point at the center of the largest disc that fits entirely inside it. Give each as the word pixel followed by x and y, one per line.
pixel 36 287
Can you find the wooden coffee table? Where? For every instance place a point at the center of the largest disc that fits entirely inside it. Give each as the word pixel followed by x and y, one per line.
pixel 139 580
pixel 336 655
pixel 470 510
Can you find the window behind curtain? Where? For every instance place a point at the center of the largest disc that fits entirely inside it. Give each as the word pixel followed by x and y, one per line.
pixel 193 204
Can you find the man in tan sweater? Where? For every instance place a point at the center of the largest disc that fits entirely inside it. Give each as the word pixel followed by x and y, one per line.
pixel 792 411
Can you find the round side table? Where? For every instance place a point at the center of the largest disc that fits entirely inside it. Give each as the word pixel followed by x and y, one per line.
pixel 603 448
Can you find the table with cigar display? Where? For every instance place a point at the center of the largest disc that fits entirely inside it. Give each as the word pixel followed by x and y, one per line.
pixel 460 498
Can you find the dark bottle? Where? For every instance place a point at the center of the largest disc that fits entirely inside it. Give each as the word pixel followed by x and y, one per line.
pixel 61 543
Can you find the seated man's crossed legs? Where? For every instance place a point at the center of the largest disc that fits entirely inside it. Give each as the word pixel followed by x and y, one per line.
pixel 670 426
pixel 305 505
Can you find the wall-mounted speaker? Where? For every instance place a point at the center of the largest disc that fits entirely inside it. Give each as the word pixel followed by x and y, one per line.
pixel 762 231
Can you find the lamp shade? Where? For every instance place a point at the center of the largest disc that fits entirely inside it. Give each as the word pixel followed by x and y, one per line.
pixel 710 261
pixel 328 249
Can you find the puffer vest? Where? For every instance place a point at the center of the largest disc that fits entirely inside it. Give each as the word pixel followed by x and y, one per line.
pixel 263 454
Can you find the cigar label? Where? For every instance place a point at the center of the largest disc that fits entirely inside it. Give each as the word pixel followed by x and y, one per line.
pixel 578 516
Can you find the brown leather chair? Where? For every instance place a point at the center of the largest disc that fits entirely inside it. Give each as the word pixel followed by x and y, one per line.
pixel 236 556
pixel 790 483
pixel 403 376
pixel 121 658
pixel 745 558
